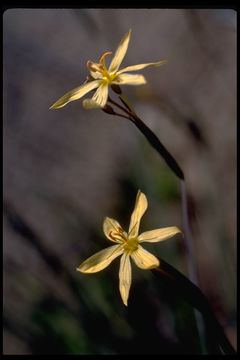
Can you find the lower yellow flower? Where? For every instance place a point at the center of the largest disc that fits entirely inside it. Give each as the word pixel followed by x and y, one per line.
pixel 128 245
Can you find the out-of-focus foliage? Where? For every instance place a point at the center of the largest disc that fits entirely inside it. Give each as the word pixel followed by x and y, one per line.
pixel 65 170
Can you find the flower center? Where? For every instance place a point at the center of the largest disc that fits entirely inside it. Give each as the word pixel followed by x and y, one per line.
pixel 131 245
pixel 101 68
pixel 108 77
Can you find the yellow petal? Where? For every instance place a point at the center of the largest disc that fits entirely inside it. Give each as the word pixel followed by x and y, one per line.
pixel 125 277
pixel 141 205
pixel 112 227
pixel 75 94
pixel 141 66
pixel 120 53
pixel 90 104
pixel 159 234
pixel 101 95
pixel 144 259
pixel 101 259
pixel 129 79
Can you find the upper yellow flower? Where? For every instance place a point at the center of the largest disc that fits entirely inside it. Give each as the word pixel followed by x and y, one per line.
pixel 101 78
pixel 128 245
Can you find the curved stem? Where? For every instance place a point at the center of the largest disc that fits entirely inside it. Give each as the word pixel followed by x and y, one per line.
pixel 121 115
pixel 119 106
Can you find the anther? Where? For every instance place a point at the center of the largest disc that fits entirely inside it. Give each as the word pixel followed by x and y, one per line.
pixel 91 66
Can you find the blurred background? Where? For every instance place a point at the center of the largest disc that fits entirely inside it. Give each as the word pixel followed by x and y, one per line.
pixel 65 170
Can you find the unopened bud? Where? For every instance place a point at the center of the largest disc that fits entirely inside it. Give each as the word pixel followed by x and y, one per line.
pixel 116 88
pixel 108 109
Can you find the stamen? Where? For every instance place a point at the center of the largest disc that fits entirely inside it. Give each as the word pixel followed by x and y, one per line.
pixel 117 236
pixel 102 58
pixel 111 236
pixel 93 67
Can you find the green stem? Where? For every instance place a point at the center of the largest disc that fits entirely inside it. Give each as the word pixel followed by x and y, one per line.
pixel 184 288
pixel 153 140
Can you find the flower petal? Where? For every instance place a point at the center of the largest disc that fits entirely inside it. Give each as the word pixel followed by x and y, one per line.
pixel 144 259
pixel 129 79
pixel 90 104
pixel 101 95
pixel 158 234
pixel 125 277
pixel 111 227
pixel 75 94
pixel 101 259
pixel 141 66
pixel 120 53
pixel 140 207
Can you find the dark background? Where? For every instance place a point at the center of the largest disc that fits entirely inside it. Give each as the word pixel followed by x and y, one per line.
pixel 65 170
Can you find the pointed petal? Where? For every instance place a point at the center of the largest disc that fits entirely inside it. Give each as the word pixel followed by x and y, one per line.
pixel 101 95
pixel 125 277
pixel 90 104
pixel 140 207
pixel 120 53
pixel 144 259
pixel 75 94
pixel 101 259
pixel 111 227
pixel 158 234
pixel 129 79
pixel 141 66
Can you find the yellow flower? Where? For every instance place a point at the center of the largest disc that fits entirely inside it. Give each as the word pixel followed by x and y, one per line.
pixel 128 245
pixel 101 78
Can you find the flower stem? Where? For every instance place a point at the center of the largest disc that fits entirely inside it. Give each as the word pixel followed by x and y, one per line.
pixel 181 286
pixel 153 139
pixel 188 235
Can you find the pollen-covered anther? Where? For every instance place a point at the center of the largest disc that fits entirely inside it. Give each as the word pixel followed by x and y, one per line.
pixel 91 66
pixel 116 236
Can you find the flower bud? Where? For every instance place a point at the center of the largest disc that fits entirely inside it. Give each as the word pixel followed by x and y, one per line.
pixel 116 88
pixel 108 109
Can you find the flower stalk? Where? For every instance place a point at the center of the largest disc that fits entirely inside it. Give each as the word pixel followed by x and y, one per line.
pixel 180 286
